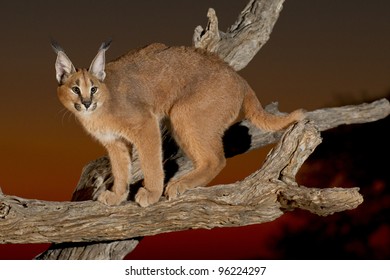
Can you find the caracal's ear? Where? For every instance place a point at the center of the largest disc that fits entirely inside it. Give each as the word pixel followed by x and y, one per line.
pixel 98 63
pixel 64 66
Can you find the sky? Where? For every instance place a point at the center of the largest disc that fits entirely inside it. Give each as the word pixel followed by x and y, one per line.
pixel 320 54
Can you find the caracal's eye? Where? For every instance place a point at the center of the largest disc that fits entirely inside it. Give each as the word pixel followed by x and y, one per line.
pixel 94 90
pixel 76 90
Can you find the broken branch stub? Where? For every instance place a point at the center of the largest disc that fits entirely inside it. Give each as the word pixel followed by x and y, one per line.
pixel 245 37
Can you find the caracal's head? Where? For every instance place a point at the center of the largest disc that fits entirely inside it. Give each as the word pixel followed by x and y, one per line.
pixel 81 91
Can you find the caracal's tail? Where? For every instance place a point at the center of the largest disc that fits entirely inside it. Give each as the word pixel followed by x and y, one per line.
pixel 255 113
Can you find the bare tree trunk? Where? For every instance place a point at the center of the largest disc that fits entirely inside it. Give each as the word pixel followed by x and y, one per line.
pixel 86 230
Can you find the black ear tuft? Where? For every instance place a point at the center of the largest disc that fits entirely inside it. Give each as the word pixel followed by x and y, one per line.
pixel 106 44
pixel 56 47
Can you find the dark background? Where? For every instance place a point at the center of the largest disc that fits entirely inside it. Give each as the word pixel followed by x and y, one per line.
pixel 320 54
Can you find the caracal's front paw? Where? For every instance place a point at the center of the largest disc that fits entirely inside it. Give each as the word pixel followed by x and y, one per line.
pixel 145 197
pixel 111 198
pixel 174 189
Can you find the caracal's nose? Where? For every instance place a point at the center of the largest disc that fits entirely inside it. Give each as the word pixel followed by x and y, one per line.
pixel 87 104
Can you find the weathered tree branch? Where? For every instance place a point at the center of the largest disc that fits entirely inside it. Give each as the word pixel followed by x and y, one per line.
pixel 96 176
pixel 245 37
pixel 112 250
pixel 259 198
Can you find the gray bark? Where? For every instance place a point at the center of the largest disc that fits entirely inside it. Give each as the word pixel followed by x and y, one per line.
pixel 245 37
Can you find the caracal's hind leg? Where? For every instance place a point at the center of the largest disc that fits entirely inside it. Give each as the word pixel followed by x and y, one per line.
pixel 208 160
pixel 200 137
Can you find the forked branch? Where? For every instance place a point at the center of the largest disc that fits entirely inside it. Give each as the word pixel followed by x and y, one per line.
pixel 261 197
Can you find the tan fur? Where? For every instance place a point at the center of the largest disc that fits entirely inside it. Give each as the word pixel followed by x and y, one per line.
pixel 199 94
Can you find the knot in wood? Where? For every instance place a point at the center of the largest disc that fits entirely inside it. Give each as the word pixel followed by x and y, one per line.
pixel 4 210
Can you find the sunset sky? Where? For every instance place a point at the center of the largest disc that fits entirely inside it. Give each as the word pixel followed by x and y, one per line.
pixel 320 53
